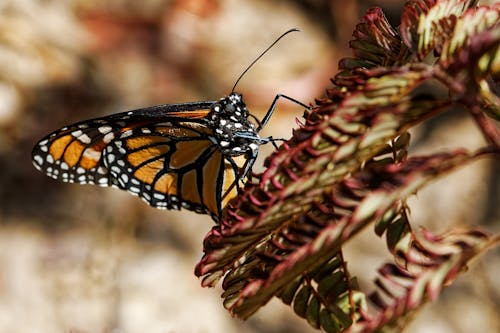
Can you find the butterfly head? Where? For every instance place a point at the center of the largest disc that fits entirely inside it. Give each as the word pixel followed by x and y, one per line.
pixel 233 131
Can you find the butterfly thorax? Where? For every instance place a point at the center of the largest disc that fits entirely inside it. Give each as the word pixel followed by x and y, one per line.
pixel 233 131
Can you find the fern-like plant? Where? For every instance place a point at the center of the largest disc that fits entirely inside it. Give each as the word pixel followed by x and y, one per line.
pixel 348 168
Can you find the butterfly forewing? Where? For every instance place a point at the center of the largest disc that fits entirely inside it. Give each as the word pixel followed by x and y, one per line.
pixel 74 153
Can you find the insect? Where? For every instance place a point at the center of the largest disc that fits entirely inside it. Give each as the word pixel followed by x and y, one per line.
pixel 190 155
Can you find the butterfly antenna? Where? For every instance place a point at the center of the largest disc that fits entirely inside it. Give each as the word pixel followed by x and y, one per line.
pixel 260 56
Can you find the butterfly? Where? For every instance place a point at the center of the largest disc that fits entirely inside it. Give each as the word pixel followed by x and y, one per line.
pixel 189 155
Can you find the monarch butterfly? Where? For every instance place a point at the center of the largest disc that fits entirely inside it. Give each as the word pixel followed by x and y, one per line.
pixel 173 156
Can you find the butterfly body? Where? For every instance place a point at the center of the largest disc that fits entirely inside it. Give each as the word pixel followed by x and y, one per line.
pixel 191 155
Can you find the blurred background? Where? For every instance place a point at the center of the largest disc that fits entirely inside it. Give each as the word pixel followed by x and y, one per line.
pixel 88 259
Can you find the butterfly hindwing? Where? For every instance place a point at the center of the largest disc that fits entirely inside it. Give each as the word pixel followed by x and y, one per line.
pixel 169 166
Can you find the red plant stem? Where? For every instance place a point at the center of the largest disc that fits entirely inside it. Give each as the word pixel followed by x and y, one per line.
pixel 490 131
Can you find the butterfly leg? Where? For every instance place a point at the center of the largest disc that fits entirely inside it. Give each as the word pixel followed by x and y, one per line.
pixel 273 106
pixel 240 176
pixel 250 162
pixel 273 141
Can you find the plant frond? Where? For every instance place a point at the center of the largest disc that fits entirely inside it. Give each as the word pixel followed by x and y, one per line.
pixel 426 24
pixel 336 140
pixel 424 265
pixel 472 56
pixel 376 43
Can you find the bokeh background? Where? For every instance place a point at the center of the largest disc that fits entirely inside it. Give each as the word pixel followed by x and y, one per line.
pixel 88 259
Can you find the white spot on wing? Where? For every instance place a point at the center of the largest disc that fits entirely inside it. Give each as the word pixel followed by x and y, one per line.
pixel 126 134
pixel 108 137
pixel 110 158
pixel 134 189
pixel 116 170
pixel 77 133
pixel 159 196
pixel 84 138
pixel 38 159
pixel 92 154
pixel 124 178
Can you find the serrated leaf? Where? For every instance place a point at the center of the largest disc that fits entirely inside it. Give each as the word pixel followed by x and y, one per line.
pixel 469 26
pixel 472 55
pixel 402 141
pixel 312 313
pixel 410 18
pixel 341 316
pixel 326 269
pixel 369 207
pixel 395 232
pixel 327 322
pixel 376 43
pixel 301 300
pixel 326 284
pixel 384 222
pixel 435 21
pixel 289 292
